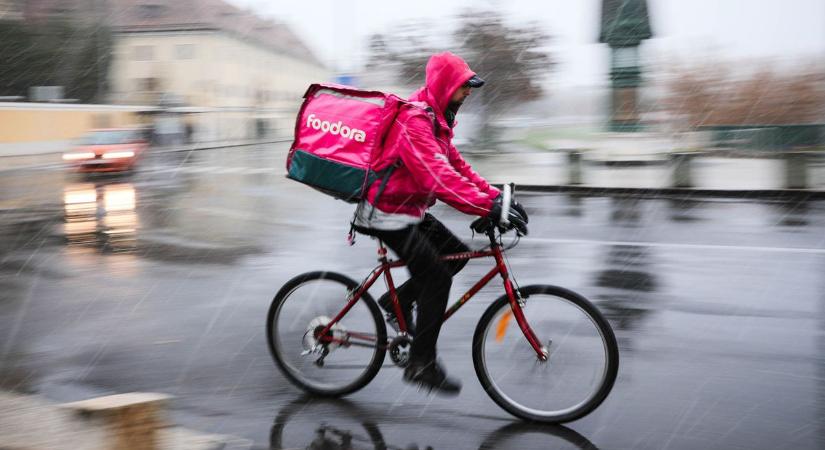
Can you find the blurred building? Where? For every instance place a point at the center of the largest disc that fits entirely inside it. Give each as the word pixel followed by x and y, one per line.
pixel 11 10
pixel 237 75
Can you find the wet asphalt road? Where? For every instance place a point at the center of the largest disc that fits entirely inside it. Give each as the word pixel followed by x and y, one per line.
pixel 160 281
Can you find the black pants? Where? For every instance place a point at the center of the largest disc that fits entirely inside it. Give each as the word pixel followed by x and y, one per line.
pixel 420 246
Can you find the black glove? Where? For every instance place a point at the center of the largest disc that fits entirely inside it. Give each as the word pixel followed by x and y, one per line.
pixel 517 206
pixel 481 225
pixel 516 219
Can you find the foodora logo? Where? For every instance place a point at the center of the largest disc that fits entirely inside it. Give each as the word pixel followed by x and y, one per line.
pixel 337 128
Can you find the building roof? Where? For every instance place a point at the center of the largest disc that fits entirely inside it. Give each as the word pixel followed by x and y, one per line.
pixel 133 16
pixel 39 11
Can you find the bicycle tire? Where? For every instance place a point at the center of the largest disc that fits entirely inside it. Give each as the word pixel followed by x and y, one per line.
pixel 294 374
pixel 531 294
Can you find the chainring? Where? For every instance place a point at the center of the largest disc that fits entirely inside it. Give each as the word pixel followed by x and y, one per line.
pixel 399 350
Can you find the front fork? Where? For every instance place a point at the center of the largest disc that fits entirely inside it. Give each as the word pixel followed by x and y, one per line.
pixel 516 305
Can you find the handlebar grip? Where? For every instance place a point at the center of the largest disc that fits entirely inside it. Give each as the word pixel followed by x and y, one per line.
pixel 506 197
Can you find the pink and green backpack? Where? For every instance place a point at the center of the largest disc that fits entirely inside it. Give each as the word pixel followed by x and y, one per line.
pixel 339 132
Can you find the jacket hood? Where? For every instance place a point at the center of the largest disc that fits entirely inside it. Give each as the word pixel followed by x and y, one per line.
pixel 445 72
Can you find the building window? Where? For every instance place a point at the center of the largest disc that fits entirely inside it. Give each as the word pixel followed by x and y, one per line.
pixel 151 10
pixel 144 53
pixel 147 84
pixel 185 51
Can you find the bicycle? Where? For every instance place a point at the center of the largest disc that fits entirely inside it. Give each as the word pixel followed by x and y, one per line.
pixel 328 336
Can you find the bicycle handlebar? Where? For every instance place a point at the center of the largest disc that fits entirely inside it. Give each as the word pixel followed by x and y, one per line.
pixel 485 225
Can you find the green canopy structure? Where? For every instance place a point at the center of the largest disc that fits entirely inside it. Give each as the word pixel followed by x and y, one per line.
pixel 625 24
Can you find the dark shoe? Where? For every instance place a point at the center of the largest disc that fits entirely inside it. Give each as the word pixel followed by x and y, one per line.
pixel 386 304
pixel 433 376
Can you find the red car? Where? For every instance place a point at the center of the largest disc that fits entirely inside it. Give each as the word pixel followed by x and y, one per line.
pixel 110 150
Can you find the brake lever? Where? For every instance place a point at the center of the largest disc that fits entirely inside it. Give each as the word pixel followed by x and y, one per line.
pixel 481 225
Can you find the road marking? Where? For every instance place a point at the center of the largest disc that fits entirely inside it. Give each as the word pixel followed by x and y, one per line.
pixel 815 251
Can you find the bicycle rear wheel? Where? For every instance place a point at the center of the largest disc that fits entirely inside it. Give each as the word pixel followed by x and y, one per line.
pixel 583 357
pixel 344 360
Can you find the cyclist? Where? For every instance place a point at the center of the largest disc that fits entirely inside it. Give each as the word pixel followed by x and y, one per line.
pixel 429 168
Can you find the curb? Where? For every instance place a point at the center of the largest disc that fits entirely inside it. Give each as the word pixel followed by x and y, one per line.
pixel 774 194
pixel 212 147
pixel 771 194
pixel 156 150
pixel 181 148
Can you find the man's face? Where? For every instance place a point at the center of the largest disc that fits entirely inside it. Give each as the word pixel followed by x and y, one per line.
pixel 458 97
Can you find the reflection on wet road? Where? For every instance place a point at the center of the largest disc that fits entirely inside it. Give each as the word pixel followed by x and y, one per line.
pixel 333 424
pixel 101 216
pixel 160 281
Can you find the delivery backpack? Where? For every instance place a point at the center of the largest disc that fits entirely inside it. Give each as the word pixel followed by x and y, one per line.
pixel 339 132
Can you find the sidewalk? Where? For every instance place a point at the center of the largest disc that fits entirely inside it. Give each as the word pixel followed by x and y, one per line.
pixel 599 171
pixel 712 175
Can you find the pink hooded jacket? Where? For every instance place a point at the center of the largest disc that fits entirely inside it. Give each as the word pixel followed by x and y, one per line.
pixel 431 167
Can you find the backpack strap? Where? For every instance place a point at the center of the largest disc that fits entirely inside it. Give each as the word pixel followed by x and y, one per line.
pixel 430 112
pixel 385 174
pixel 385 178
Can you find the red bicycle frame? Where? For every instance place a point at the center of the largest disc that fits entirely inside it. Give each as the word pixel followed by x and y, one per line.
pixel 500 268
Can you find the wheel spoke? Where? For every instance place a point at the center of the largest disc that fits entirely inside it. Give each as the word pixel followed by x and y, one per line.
pixel 324 359
pixel 582 356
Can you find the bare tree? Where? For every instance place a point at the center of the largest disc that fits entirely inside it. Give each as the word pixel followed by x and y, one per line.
pixel 711 95
pixel 512 59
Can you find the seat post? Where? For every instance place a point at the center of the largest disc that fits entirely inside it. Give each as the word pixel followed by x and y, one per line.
pixel 382 252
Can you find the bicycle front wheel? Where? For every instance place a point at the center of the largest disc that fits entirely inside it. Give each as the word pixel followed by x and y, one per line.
pixel 582 363
pixel 340 362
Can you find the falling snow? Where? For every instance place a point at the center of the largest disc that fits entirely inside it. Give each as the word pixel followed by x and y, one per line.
pixel 701 239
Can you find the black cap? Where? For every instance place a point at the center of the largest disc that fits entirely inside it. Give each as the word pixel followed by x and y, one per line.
pixel 475 82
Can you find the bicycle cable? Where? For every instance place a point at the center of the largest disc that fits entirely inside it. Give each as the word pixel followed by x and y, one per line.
pixel 509 246
pixel 512 244
pixel 507 262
